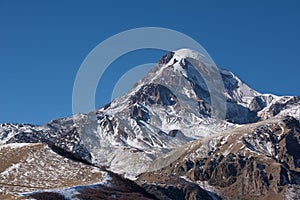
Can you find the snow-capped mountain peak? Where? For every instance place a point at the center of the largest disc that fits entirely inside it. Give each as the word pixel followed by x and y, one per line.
pixel 174 104
pixel 188 53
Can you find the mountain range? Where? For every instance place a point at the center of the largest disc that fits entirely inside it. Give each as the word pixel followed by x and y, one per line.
pixel 187 130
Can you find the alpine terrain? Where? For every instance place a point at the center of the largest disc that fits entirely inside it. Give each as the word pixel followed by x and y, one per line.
pixel 187 130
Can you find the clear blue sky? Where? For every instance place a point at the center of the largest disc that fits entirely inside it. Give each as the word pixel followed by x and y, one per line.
pixel 43 43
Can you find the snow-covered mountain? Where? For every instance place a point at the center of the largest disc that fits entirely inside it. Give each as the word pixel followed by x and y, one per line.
pixel 184 98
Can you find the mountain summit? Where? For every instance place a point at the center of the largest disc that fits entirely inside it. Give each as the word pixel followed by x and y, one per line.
pixel 163 125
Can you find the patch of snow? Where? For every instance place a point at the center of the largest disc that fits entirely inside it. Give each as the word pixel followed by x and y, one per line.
pixel 16 145
pixel 12 169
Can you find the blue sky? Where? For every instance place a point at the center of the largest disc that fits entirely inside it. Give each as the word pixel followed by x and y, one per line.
pixel 43 43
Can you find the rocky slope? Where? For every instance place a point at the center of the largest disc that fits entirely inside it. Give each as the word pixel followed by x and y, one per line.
pixel 256 161
pixel 29 167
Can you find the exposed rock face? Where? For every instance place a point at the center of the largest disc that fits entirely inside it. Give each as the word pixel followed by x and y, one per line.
pixel 257 104
pixel 166 58
pixel 174 133
pixel 276 108
pixel 174 187
pixel 154 94
pixel 54 134
pixel 282 106
pixel 239 114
